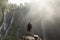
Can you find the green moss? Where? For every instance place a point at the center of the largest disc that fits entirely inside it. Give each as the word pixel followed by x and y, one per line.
pixel 9 38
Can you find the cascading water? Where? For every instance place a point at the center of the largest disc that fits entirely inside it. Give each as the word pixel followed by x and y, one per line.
pixel 3 26
pixel 43 27
pixel 12 19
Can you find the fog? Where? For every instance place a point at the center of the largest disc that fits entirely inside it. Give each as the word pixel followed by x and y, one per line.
pixel 45 15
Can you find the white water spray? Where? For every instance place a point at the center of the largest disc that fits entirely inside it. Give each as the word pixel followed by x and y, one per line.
pixel 43 11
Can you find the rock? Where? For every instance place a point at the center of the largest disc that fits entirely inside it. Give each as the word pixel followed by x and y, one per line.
pixel 37 37
pixel 29 38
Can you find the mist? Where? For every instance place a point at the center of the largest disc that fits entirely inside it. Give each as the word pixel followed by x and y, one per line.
pixel 44 15
pixel 45 18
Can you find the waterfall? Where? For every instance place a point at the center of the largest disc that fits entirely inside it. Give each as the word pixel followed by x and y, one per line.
pixel 0 32
pixel 43 26
pixel 12 19
pixel 3 26
pixel 43 31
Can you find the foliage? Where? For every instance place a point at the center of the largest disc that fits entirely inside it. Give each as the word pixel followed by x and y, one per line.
pixel 9 38
pixel 3 7
pixel 0 14
pixel 19 13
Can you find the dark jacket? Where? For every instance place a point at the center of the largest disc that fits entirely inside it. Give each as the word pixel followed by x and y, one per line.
pixel 29 27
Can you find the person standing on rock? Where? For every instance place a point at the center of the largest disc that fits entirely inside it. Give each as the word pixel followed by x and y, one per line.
pixel 29 27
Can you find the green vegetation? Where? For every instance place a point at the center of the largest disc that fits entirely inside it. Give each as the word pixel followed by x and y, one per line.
pixel 19 13
pixel 9 38
pixel 3 7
